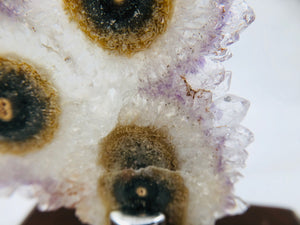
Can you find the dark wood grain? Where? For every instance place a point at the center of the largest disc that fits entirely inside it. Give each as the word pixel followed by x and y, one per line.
pixel 255 215
pixel 62 216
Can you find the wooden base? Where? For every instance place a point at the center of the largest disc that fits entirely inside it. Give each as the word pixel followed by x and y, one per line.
pixel 255 215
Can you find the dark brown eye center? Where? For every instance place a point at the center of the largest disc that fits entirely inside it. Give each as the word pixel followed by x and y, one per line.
pixel 21 110
pixel 119 15
pixel 122 27
pixel 29 108
pixel 141 194
pixel 146 191
pixel 141 173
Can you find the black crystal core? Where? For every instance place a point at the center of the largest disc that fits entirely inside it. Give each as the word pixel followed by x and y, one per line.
pixel 155 198
pixel 117 16
pixel 27 109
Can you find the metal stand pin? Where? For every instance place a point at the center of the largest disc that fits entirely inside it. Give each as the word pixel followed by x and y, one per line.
pixel 119 218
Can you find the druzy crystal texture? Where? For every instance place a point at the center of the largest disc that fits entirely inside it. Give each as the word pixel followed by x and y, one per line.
pixel 126 106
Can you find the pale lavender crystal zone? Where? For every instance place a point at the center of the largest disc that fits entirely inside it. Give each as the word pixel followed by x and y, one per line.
pixel 17 175
pixel 11 7
pixel 228 27
pixel 220 118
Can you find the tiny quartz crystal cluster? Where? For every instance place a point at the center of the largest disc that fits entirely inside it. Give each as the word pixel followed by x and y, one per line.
pixel 122 105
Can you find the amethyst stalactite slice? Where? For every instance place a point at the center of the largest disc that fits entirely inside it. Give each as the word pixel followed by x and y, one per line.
pixel 155 105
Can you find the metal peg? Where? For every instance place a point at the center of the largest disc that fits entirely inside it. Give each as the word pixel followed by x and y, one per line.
pixel 119 218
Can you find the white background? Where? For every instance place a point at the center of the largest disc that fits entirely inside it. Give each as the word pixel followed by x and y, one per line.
pixel 266 70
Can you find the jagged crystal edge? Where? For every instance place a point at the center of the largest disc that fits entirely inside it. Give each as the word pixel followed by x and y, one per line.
pixel 219 120
pixel 237 17
pixel 199 86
